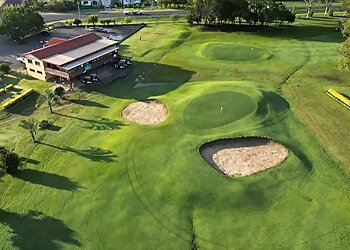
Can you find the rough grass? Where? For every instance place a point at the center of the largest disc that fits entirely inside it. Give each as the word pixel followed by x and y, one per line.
pixel 98 182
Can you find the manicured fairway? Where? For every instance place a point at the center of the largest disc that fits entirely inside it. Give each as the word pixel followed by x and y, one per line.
pixel 96 181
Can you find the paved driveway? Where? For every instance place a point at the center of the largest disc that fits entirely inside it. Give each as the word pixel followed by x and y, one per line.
pixel 50 17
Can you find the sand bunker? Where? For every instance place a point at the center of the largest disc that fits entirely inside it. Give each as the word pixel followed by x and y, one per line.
pixel 243 156
pixel 145 112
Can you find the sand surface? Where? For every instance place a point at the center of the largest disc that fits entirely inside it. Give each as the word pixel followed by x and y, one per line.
pixel 145 112
pixel 243 156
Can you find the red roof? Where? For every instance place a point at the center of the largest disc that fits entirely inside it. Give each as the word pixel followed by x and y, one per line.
pixel 64 46
pixel 54 40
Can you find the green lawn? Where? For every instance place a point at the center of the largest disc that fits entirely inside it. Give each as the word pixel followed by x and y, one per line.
pixel 96 181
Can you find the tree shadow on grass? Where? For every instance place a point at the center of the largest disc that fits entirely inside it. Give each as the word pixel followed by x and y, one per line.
pixel 25 107
pixel 101 123
pixel 92 153
pixel 30 161
pixel 88 103
pixel 35 230
pixel 53 128
pixel 168 77
pixel 47 179
pixel 312 32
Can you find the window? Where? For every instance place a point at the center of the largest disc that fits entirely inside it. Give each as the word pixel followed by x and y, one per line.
pixel 32 70
pixel 37 63
pixel 39 72
pixel 30 61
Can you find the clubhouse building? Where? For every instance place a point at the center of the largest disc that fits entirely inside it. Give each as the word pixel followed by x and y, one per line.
pixel 67 59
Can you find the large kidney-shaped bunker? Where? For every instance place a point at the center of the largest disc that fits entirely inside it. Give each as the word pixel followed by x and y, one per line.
pixel 233 52
pixel 243 156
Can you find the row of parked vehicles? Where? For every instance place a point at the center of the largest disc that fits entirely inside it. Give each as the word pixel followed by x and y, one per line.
pixel 121 63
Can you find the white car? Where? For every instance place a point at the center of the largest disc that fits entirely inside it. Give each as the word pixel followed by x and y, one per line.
pixel 126 12
pixel 115 37
pixel 137 12
pixel 20 59
pixel 89 29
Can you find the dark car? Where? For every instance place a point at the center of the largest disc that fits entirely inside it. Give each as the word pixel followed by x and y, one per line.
pixel 45 33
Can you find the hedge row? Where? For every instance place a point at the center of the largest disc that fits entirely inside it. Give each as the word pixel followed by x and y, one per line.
pixel 344 100
pixel 17 99
pixel 10 86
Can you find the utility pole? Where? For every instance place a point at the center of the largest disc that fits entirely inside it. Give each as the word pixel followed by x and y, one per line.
pixel 78 3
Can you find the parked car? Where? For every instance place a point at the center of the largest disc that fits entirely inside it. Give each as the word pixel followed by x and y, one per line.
pixel 115 37
pixel 20 59
pixel 100 29
pixel 89 29
pixel 137 12
pixel 126 12
pixel 45 33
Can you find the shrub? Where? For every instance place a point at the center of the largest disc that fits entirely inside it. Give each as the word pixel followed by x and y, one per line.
pixel 339 97
pixel 56 5
pixel 77 21
pixel 175 18
pixel 127 20
pixel 59 91
pixel 8 87
pixel 17 99
pixel 4 67
pixel 10 162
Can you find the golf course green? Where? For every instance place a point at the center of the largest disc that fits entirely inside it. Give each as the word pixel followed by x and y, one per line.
pixel 218 109
pixel 97 181
pixel 232 52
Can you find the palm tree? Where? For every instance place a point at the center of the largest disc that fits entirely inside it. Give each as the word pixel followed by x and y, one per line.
pixel 30 125
pixel 48 97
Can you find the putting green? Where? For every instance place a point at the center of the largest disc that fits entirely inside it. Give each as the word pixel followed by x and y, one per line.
pixel 218 109
pixel 232 52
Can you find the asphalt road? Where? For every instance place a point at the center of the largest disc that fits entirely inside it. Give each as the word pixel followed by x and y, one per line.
pixel 51 17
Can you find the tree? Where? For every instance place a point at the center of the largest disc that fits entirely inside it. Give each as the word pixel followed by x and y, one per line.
pixel 114 20
pixel 57 5
pixel 30 125
pixel 77 21
pixel 310 4
pixel 59 91
pixel 37 5
pixel 106 21
pixel 10 162
pixel 49 98
pixel 175 18
pixel 214 12
pixel 20 22
pixel 4 67
pixel 346 5
pixel 328 6
pixel 92 19
pixel 127 20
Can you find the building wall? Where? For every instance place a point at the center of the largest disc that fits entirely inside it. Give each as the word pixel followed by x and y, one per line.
pixel 94 63
pixel 35 68
pixel 131 2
